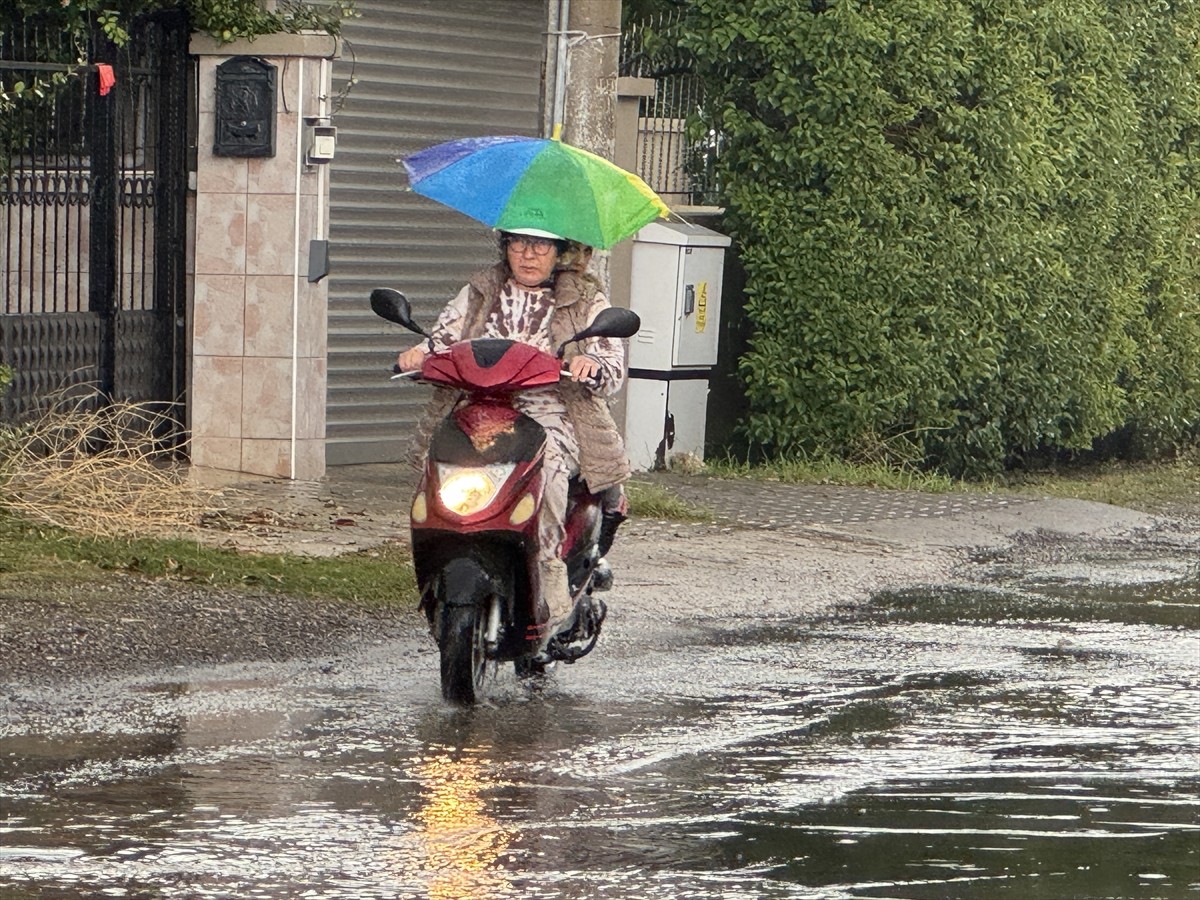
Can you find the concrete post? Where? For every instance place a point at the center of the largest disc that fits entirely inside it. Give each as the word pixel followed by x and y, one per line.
pixel 630 92
pixel 592 75
pixel 258 354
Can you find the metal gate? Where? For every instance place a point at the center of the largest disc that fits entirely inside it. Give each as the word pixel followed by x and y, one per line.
pixel 92 219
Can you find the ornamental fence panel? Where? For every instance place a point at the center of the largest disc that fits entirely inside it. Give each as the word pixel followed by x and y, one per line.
pixel 93 193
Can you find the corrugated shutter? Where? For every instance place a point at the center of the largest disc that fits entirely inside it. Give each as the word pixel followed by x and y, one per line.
pixel 426 71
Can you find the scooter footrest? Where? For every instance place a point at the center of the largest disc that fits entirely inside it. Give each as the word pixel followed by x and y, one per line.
pixel 577 642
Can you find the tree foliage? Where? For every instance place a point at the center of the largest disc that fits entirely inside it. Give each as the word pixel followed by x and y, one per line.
pixel 971 228
pixel 84 23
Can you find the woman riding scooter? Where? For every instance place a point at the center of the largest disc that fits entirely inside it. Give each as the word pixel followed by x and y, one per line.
pixel 541 293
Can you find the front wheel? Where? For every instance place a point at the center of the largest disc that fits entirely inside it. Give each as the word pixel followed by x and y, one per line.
pixel 464 660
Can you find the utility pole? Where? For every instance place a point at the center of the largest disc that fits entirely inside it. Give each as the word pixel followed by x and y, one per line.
pixel 594 35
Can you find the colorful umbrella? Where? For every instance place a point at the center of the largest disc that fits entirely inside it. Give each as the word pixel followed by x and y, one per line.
pixel 521 182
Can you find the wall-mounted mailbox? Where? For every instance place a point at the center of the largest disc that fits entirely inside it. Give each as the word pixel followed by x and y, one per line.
pixel 245 104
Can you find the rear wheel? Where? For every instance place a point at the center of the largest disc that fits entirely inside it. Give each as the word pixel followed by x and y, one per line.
pixel 464 661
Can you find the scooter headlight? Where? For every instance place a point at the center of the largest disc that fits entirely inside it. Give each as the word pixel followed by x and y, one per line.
pixel 467 490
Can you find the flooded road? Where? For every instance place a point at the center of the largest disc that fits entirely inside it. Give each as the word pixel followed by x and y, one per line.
pixel 1031 736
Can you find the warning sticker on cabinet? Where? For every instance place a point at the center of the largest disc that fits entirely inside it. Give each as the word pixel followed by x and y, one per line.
pixel 701 306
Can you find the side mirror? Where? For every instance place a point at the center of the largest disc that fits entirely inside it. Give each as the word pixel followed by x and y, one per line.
pixel 612 322
pixel 392 305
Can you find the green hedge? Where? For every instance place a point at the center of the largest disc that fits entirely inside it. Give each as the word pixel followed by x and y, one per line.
pixel 971 230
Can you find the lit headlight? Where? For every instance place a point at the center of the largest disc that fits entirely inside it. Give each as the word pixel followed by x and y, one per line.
pixel 466 491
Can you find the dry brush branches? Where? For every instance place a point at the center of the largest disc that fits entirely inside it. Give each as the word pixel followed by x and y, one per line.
pixel 97 468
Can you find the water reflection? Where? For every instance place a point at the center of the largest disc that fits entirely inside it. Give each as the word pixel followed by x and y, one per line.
pixel 462 841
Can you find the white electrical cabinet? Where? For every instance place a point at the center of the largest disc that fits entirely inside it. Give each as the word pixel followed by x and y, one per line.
pixel 675 287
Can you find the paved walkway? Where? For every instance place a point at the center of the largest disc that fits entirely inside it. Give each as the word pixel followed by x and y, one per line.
pixel 789 507
pixel 365 505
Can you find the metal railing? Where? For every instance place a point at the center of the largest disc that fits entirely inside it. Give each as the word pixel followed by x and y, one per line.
pixel 676 163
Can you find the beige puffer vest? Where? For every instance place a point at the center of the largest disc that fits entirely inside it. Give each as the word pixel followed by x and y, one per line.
pixel 602 459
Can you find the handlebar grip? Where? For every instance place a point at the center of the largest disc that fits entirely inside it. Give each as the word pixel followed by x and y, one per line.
pixel 592 381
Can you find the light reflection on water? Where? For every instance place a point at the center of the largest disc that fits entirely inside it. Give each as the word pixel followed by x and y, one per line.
pixel 461 841
pixel 912 754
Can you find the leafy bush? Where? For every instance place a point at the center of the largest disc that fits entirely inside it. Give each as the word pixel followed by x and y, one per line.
pixel 970 229
pixel 230 19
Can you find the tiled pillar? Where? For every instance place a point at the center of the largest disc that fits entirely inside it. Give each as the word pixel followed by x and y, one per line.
pixel 258 375
pixel 630 92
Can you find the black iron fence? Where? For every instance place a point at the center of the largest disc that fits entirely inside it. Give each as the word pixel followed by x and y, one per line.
pixel 93 183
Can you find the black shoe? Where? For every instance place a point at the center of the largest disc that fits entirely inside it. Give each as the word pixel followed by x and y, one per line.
pixel 609 523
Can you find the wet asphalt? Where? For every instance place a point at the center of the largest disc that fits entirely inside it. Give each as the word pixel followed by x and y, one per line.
pixel 825 693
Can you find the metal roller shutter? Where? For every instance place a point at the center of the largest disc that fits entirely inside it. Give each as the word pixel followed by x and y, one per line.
pixel 426 71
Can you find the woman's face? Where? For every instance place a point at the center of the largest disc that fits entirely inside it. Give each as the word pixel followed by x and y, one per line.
pixel 531 259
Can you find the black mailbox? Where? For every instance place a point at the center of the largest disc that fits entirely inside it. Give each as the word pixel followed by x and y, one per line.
pixel 245 108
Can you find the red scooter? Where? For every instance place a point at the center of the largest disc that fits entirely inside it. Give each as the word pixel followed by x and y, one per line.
pixel 474 516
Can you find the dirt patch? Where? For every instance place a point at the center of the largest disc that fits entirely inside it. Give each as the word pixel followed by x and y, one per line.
pixel 130 624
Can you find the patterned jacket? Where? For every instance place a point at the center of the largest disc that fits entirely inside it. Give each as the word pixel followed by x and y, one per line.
pixel 602 459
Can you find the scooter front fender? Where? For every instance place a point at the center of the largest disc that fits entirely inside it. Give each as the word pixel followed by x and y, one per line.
pixel 464 582
pixel 455 570
pixel 469 581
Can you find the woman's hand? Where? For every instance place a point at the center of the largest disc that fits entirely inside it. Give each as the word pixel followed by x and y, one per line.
pixel 583 368
pixel 410 360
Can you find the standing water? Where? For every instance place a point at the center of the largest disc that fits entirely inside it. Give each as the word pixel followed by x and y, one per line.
pixel 1035 738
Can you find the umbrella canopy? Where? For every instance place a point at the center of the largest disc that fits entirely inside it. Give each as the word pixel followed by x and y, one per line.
pixel 521 182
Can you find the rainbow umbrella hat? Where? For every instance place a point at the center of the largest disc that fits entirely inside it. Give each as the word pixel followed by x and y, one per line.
pixel 522 182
